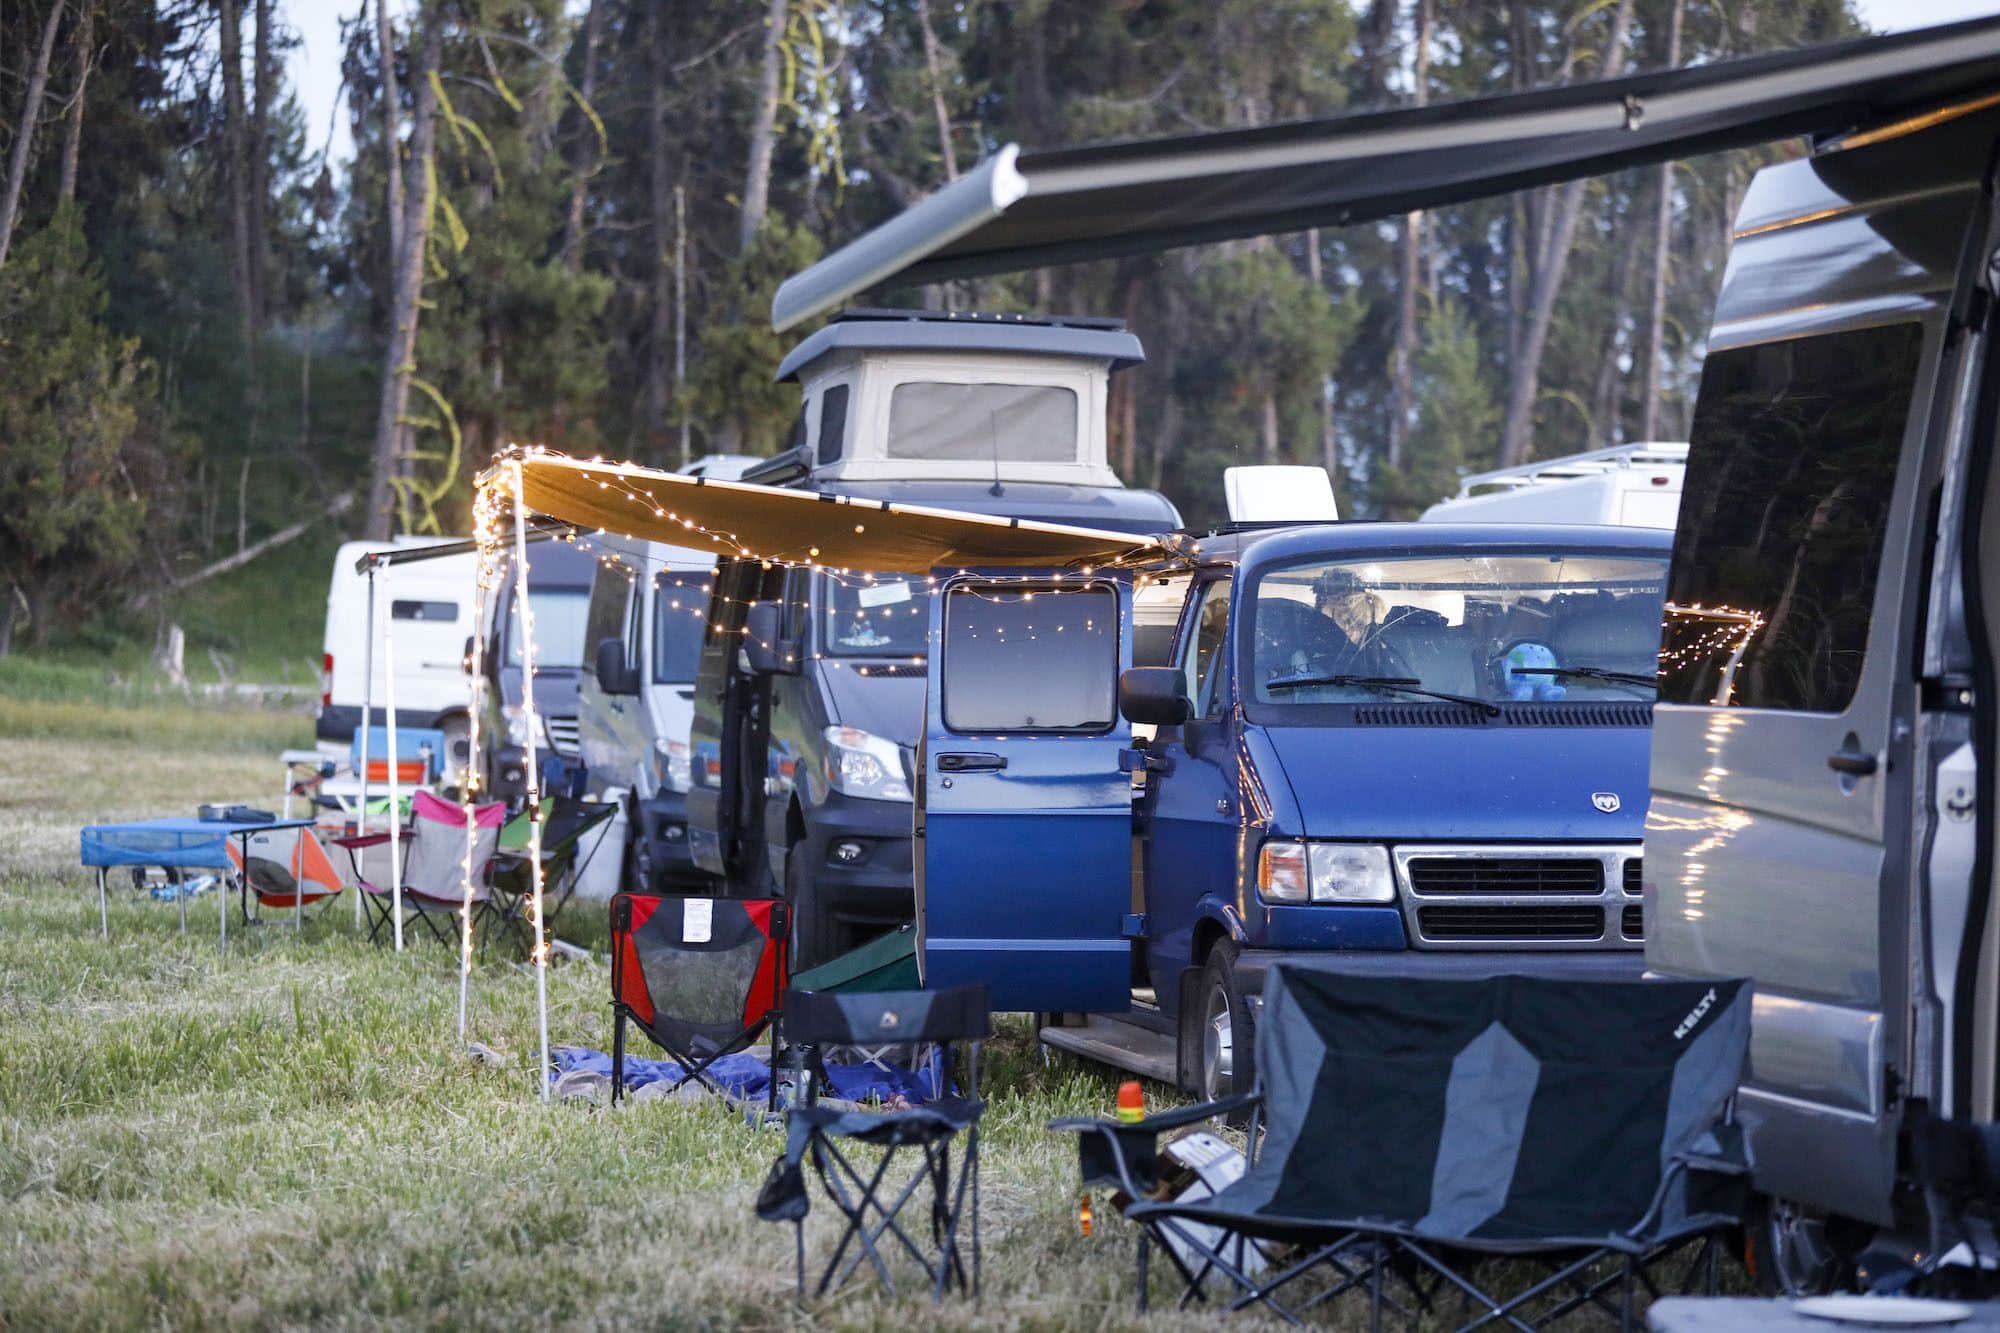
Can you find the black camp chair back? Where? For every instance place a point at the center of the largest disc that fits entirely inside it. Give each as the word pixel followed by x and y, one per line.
pixel 703 977
pixel 867 1194
pixel 1587 1124
pixel 572 838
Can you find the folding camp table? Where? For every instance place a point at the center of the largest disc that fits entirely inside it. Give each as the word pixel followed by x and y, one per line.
pixel 176 843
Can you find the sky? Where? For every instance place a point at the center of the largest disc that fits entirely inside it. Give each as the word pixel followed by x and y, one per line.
pixel 315 65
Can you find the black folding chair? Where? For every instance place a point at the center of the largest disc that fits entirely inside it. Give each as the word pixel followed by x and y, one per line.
pixel 1409 1130
pixel 572 838
pixel 702 977
pixel 866 1193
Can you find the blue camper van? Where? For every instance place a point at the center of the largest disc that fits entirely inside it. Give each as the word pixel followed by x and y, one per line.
pixel 1420 746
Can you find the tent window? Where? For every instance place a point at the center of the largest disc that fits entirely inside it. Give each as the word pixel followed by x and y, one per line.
pixel 983 423
pixel 412 610
pixel 832 423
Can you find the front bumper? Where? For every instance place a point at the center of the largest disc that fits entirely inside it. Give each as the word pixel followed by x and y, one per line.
pixel 858 854
pixel 1600 965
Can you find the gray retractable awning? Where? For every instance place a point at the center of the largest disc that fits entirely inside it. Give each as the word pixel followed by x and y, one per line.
pixel 1026 209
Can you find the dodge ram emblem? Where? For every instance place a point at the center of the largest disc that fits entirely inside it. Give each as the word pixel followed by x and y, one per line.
pixel 1606 801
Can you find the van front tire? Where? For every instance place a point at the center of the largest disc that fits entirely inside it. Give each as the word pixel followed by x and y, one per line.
pixel 1224 1039
pixel 816 936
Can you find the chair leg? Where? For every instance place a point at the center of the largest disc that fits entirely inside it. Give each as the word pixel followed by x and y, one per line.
pixel 1625 1301
pixel 617 1055
pixel 1145 1253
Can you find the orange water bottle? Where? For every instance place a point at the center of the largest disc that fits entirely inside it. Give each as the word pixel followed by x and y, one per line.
pixel 1131 1102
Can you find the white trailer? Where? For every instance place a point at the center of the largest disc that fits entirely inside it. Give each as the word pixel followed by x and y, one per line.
pixel 1632 485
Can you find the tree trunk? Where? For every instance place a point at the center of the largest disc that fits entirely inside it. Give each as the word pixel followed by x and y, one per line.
pixel 73 132
pixel 579 189
pixel 659 327
pixel 1524 379
pixel 392 130
pixel 1656 315
pixel 1606 415
pixel 260 169
pixel 391 459
pixel 24 133
pixel 236 159
pixel 938 107
pixel 764 134
pixel 1267 441
pixel 1402 367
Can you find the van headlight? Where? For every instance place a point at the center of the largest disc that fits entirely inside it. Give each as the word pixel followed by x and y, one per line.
pixel 860 763
pixel 516 720
pixel 671 761
pixel 1325 872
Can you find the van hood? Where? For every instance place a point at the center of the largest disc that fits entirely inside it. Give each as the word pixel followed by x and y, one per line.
pixel 889 706
pixel 1496 783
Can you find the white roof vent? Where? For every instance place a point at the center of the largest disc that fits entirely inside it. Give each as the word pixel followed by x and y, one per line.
pixel 1279 493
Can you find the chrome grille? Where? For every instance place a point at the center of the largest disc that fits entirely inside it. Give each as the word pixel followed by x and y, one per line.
pixel 1634 922
pixel 1513 896
pixel 563 736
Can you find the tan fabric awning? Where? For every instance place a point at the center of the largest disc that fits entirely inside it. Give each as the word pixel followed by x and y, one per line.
pixel 800 527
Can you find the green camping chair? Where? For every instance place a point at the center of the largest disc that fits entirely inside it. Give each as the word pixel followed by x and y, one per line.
pixel 572 833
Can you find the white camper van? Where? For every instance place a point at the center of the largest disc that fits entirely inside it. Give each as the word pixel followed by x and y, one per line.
pixel 427 605
pixel 1632 486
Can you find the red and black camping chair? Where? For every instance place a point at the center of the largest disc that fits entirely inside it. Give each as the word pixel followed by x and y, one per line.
pixel 703 977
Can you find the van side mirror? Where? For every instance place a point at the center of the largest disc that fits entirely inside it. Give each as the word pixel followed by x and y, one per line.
pixel 1154 695
pixel 767 653
pixel 613 675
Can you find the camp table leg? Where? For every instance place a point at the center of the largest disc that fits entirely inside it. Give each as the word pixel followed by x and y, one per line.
pixel 103 905
pixel 180 897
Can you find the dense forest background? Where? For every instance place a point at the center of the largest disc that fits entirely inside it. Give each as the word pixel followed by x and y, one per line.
pixel 564 220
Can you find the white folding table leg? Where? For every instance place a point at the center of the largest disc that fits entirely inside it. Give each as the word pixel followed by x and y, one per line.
pixel 103 905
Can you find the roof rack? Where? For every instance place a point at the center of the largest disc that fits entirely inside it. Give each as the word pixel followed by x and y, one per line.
pixel 1597 461
pixel 885 314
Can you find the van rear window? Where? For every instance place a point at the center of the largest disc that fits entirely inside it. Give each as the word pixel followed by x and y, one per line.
pixel 1019 659
pixel 412 610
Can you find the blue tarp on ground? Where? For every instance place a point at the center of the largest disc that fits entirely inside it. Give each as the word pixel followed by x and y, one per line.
pixel 747 1077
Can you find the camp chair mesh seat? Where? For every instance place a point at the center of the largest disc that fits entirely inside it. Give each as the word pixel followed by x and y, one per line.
pixel 433 853
pixel 1412 1128
pixel 572 836
pixel 702 977
pixel 820 1020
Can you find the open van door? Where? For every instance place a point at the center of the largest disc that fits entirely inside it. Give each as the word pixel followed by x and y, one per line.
pixel 1024 814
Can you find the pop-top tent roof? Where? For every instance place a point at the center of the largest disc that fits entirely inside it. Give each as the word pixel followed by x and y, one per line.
pixel 1020 210
pixel 799 527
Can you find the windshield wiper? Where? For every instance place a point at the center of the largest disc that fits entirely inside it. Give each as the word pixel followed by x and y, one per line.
pixel 1402 684
pixel 1592 673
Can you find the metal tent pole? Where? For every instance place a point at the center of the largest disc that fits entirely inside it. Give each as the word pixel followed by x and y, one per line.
pixel 395 787
pixel 469 787
pixel 367 707
pixel 534 794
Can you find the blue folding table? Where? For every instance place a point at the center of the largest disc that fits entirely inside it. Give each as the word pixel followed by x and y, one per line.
pixel 182 843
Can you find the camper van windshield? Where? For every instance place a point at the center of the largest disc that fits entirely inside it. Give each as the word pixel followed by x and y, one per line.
pixel 875 615
pixel 680 612
pixel 983 423
pixel 558 628
pixel 1502 628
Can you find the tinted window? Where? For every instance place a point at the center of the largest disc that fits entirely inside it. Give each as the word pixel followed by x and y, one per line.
pixel 1211 627
pixel 606 617
pixel 1029 423
pixel 1790 472
pixel 832 423
pixel 1018 660
pixel 559 627
pixel 680 606
pixel 401 610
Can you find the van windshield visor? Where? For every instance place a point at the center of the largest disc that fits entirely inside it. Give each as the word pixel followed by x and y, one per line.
pixel 875 615
pixel 1482 629
pixel 680 617
pixel 559 616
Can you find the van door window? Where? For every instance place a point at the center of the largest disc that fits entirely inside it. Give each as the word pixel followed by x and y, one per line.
pixel 605 618
pixel 1204 649
pixel 832 423
pixel 634 632
pixel 680 606
pixel 1790 472
pixel 430 611
pixel 1029 659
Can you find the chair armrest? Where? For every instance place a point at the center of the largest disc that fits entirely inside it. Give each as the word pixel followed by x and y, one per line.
pixel 356 842
pixel 1128 1152
pixel 1177 1118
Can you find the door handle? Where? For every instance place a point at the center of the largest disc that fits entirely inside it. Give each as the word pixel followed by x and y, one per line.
pixel 969 762
pixel 1852 761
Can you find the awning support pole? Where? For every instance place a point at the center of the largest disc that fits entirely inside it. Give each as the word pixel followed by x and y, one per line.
pixel 534 795
pixel 367 707
pixel 474 769
pixel 395 757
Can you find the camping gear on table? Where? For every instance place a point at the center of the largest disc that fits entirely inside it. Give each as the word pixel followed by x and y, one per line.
pixel 419 755
pixel 704 978
pixel 572 833
pixel 433 866
pixel 959 1016
pixel 887 962
pixel 1586 1124
pixel 285 869
pixel 174 843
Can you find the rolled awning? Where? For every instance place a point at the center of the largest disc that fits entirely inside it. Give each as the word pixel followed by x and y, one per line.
pixel 774 523
pixel 1020 210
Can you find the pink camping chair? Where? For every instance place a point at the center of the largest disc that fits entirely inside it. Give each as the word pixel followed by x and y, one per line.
pixel 287 870
pixel 433 867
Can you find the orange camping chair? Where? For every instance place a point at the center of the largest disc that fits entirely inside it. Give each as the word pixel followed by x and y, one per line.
pixel 288 870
